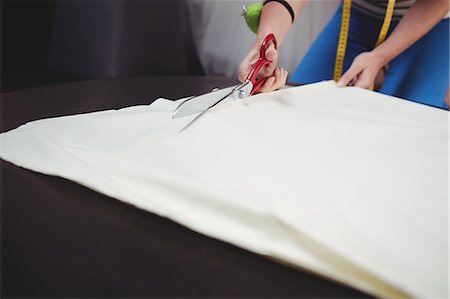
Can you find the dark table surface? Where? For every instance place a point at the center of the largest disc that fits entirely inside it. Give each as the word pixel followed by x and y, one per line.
pixel 59 239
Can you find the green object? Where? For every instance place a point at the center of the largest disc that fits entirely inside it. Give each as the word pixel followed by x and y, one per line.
pixel 252 13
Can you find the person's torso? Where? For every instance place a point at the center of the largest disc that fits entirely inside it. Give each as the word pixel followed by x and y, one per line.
pixel 377 8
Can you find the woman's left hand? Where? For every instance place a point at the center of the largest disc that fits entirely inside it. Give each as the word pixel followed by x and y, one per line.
pixel 363 71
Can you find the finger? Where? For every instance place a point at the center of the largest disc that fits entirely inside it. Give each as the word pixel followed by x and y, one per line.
pixel 267 86
pixel 244 69
pixel 272 56
pixel 242 72
pixel 285 76
pixel 271 53
pixel 353 81
pixel 279 79
pixel 363 81
pixel 276 75
pixel 349 75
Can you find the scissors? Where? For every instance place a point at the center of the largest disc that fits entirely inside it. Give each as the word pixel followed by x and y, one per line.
pixel 249 87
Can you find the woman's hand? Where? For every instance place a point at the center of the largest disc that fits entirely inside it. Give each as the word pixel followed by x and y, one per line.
pixel 277 20
pixel 275 81
pixel 276 77
pixel 365 70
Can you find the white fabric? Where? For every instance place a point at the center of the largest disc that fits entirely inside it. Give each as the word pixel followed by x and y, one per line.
pixel 346 182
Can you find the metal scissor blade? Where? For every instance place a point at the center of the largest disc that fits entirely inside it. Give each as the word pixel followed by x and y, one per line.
pixel 202 102
pixel 204 111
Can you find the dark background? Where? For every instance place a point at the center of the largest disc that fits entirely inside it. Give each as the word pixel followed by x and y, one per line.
pixel 25 36
pixel 52 41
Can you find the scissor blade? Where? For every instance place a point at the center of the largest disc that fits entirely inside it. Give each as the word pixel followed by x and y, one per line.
pixel 202 102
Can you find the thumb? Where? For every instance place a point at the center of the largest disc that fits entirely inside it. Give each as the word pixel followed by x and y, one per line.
pixel 271 54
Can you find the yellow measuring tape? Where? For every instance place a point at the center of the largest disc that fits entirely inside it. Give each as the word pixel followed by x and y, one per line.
pixel 343 35
pixel 342 43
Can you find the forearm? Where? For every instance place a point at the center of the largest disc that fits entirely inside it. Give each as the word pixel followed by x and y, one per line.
pixel 420 18
pixel 276 19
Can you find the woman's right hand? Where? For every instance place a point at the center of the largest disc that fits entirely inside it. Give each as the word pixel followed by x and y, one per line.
pixel 276 77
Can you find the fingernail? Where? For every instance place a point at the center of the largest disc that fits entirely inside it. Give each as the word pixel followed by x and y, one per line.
pixel 340 84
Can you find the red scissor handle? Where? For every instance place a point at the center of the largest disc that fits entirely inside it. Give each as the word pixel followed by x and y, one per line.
pixel 262 61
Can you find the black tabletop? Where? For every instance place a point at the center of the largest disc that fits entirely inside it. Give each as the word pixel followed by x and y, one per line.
pixel 59 239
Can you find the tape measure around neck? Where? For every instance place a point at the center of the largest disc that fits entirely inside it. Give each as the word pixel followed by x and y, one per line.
pixel 386 23
pixel 343 35
pixel 342 43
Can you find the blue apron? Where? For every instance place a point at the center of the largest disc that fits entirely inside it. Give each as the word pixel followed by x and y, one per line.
pixel 420 73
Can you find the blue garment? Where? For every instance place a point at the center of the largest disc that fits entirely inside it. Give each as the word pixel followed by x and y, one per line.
pixel 420 73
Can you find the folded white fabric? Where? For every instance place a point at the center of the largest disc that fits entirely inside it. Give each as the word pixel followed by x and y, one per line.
pixel 345 182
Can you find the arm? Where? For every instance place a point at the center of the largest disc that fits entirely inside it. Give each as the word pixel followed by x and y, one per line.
pixel 420 18
pixel 274 19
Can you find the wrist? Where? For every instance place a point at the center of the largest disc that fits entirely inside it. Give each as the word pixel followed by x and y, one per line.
pixel 262 35
pixel 382 56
